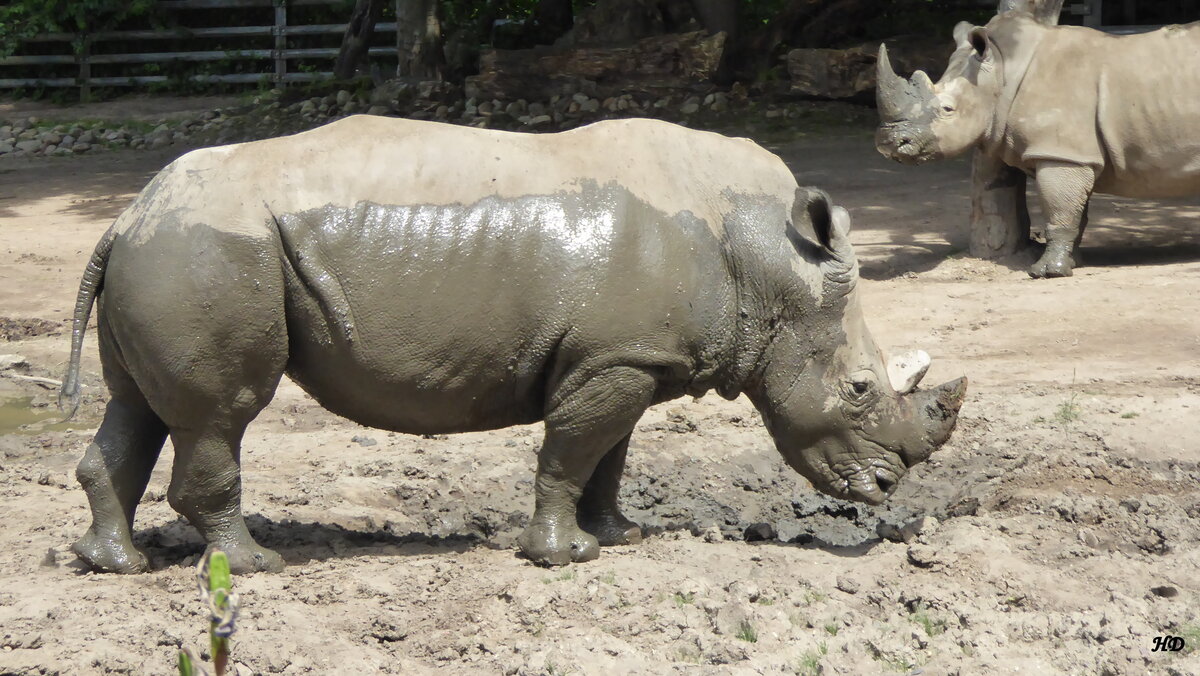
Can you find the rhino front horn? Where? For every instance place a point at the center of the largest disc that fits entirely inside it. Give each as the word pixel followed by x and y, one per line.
pixel 891 90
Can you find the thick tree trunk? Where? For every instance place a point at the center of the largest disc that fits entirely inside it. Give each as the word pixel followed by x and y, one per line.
pixel 357 37
pixel 999 213
pixel 418 39
pixel 999 216
pixel 551 19
pixel 1045 11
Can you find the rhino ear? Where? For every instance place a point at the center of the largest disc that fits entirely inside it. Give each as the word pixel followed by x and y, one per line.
pixel 813 205
pixel 978 37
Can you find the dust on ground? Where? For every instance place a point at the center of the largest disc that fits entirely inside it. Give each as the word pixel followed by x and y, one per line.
pixel 1057 533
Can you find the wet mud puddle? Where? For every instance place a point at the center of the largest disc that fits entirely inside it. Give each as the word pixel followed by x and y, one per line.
pixel 20 416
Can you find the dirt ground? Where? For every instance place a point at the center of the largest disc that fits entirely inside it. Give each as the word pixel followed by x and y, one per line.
pixel 1060 531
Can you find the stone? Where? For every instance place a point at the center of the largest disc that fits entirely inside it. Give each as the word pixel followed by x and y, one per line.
pixel 362 440
pixel 540 120
pixel 6 147
pixel 80 147
pixel 49 149
pixel 590 106
pixel 342 98
pixel 12 361
pixel 759 532
pixel 850 73
pixel 308 107
pixel 690 108
pixel 159 140
pixel 86 138
pixel 848 584
pixel 67 141
pixel 377 110
pixel 29 145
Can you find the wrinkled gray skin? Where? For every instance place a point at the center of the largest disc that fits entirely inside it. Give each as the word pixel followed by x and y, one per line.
pixel 1079 110
pixel 406 297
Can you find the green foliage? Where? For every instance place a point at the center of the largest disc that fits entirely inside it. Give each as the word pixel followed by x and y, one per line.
pixel 20 19
pixel 810 662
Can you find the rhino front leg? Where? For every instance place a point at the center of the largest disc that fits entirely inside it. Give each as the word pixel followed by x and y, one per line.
pixel 585 421
pixel 599 513
pixel 1065 190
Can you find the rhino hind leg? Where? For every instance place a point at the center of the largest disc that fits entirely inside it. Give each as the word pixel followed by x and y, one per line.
pixel 1065 190
pixel 586 420
pixel 114 472
pixel 206 488
pixel 598 510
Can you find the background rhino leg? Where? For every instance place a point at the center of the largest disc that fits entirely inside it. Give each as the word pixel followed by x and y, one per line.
pixel 1065 189
pixel 585 421
pixel 598 512
pixel 116 467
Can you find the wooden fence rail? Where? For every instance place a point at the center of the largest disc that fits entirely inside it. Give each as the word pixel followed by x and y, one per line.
pixel 279 53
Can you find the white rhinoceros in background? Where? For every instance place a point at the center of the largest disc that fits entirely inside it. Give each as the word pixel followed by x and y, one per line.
pixel 1080 110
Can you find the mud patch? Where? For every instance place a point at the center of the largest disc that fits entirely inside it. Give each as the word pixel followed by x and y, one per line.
pixel 13 328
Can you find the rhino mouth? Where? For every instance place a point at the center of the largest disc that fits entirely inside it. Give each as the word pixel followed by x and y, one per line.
pixel 871 485
pixel 903 146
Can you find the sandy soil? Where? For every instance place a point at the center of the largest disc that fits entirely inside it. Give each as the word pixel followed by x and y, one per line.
pixel 1058 532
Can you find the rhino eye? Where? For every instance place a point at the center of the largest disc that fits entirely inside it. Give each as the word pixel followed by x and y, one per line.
pixel 860 387
pixel 948 109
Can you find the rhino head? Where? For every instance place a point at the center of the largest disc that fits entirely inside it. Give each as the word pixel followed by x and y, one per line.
pixel 849 420
pixel 921 120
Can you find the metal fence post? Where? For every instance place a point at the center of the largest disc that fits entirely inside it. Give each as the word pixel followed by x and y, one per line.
pixel 280 41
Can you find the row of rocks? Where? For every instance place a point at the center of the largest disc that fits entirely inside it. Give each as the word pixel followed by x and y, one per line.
pixel 272 114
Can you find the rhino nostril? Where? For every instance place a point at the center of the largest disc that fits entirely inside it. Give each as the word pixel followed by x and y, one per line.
pixel 885 482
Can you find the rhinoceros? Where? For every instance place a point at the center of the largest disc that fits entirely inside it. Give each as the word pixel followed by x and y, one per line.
pixel 1077 109
pixel 428 278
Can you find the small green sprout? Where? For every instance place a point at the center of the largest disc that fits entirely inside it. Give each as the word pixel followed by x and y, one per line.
pixel 216 591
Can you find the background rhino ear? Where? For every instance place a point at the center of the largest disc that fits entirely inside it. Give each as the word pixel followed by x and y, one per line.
pixel 962 33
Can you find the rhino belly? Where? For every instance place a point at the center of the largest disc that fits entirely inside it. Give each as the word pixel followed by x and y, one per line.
pixel 428 319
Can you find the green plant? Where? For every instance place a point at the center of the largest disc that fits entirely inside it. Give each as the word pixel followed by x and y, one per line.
pixel 684 598
pixel 20 19
pixel 747 632
pixel 1068 411
pixel 216 591
pixel 1128 415
pixel 933 626
pixel 1190 633
pixel 831 629
pixel 810 662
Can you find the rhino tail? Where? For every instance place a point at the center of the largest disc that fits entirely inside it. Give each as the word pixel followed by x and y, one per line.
pixel 89 287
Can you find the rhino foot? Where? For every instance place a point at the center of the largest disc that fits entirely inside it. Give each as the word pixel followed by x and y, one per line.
pixel 250 557
pixel 557 545
pixel 110 555
pixel 612 529
pixel 1052 264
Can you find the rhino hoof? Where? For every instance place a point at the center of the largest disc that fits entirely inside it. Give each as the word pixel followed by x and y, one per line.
pixel 613 530
pixel 549 545
pixel 109 556
pixel 1048 269
pixel 251 558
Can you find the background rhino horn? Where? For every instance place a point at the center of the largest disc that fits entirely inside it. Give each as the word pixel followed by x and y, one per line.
pixel 891 90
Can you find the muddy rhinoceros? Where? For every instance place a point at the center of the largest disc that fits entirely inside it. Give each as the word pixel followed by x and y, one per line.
pixel 1077 109
pixel 429 278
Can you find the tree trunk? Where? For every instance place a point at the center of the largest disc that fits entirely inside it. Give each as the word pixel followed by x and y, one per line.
pixel 752 51
pixel 1045 11
pixel 357 37
pixel 418 39
pixel 551 18
pixel 999 213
